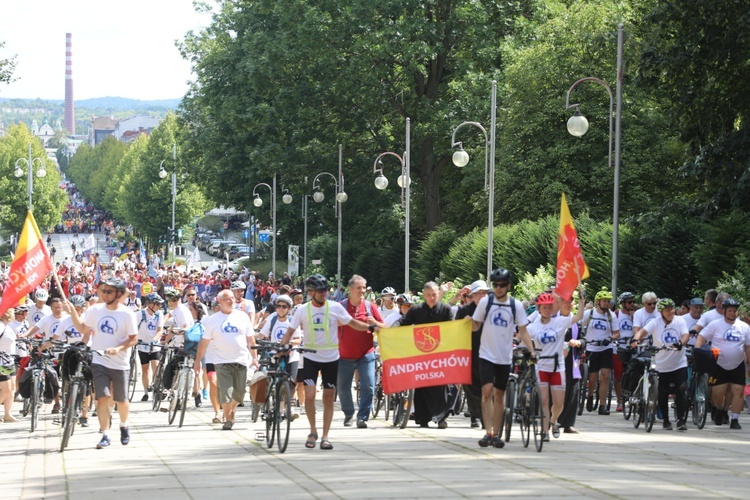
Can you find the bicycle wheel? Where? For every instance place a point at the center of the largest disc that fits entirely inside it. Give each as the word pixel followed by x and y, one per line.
pixel 283 415
pixel 133 380
pixel 407 404
pixel 158 390
pixel 379 397
pixel 36 394
pixel 627 408
pixel 387 409
pixel 525 421
pixel 174 402
pixel 459 404
pixel 255 411
pixel 510 406
pixel 187 384
pixel 69 420
pixel 537 418
pixel 584 388
pixel 398 408
pixel 270 418
pixel 651 404
pixel 610 390
pixel 700 401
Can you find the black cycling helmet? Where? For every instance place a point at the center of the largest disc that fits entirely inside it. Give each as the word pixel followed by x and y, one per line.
pixel 172 293
pixel 730 302
pixel 115 283
pixel 316 282
pixel 500 274
pixel 154 297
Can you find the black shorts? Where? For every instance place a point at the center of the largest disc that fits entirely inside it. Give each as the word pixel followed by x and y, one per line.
pixel 721 376
pixel 490 373
pixel 599 360
pixel 210 368
pixel 145 357
pixel 329 372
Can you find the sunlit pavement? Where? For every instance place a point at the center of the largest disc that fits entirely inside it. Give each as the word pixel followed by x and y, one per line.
pixel 607 459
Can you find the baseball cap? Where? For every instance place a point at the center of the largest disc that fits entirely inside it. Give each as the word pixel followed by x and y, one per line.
pixel 696 302
pixel 478 286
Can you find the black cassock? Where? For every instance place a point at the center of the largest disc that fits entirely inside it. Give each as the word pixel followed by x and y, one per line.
pixel 431 403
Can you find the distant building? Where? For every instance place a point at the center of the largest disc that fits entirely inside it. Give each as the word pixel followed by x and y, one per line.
pixel 101 128
pixel 129 129
pixel 45 133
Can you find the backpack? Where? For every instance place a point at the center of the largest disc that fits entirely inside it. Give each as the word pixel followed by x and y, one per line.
pixel 368 306
pixel 193 336
pixel 157 317
pixel 512 306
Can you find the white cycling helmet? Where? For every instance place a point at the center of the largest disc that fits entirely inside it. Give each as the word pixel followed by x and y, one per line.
pixel 388 291
pixel 41 295
pixel 238 285
pixel 284 298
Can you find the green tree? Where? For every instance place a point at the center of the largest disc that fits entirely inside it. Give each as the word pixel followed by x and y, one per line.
pixel 7 66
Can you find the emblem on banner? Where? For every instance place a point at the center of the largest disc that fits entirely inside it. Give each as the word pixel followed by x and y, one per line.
pixel 427 339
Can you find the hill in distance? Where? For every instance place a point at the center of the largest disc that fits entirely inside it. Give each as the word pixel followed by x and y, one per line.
pixel 113 103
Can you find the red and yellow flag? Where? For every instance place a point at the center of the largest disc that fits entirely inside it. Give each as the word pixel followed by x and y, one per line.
pixel 426 355
pixel 30 265
pixel 571 268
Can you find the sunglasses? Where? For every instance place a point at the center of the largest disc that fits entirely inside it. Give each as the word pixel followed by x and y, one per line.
pixel 282 306
pixel 500 285
pixel 649 303
pixel 191 295
pixel 628 301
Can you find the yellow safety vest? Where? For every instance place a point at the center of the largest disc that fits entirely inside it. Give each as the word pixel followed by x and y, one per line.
pixel 311 343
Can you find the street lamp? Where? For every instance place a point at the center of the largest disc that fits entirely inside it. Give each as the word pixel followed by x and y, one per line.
pixel 258 202
pixel 461 159
pixel 404 182
pixel 578 125
pixel 341 197
pixel 163 175
pixel 41 172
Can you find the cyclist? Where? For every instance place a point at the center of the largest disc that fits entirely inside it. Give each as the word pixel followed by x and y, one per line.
pixel 496 350
pixel 319 320
pixel 600 326
pixel 39 308
pixel 648 312
pixel 231 335
pixel 695 310
pixel 389 306
pixel 240 302
pixel 20 325
pixel 7 369
pixel 625 316
pixel 669 330
pixel 150 329
pixel 49 327
pixel 277 325
pixel 732 337
pixel 68 333
pixel 404 302
pixel 114 330
pixel 549 332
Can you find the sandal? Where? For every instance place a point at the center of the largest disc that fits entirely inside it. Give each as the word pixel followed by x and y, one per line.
pixel 311 438
pixel 325 444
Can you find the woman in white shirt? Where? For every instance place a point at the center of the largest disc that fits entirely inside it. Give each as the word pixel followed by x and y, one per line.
pixel 8 380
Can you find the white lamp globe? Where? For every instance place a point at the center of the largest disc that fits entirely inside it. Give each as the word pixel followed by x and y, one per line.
pixel 460 158
pixel 287 198
pixel 342 197
pixel 578 125
pixel 257 201
pixel 381 182
pixel 318 196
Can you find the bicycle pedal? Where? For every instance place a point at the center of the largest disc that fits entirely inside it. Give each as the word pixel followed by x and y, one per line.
pixel 259 436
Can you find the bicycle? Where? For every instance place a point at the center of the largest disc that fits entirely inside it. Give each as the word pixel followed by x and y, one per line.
pixel 697 400
pixel 133 380
pixel 181 388
pixel 277 410
pixel 529 408
pixel 379 395
pixel 38 366
pixel 511 392
pixel 584 368
pixel 645 400
pixel 157 387
pixel 74 396
pixel 402 403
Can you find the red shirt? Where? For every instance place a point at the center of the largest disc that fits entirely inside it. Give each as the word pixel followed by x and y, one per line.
pixel 354 344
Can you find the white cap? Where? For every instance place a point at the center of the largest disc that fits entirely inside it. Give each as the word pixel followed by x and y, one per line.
pixel 478 286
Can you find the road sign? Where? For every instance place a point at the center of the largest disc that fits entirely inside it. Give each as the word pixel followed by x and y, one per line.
pixel 245 233
pixel 179 233
pixel 264 237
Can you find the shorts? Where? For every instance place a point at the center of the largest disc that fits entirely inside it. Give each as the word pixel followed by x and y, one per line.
pixel 210 368
pixel 329 372
pixel 720 376
pixel 145 357
pixel 552 379
pixel 5 378
pixel 490 373
pixel 232 381
pixel 599 360
pixel 293 369
pixel 103 376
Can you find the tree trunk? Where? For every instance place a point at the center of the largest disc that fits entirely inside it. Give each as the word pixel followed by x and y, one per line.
pixel 429 172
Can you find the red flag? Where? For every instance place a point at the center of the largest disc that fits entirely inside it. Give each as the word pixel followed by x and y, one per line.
pixel 30 265
pixel 571 268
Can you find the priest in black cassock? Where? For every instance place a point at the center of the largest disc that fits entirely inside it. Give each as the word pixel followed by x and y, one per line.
pixel 431 403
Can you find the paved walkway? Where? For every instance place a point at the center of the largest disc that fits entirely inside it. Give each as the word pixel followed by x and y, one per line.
pixel 608 459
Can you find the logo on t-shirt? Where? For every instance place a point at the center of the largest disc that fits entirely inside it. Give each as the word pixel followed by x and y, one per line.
pixel 669 336
pixel 107 325
pixel 499 319
pixel 37 316
pixel 626 326
pixel 228 327
pixel 548 337
pixel 732 335
pixel 151 325
pixel 73 333
pixel 599 325
pixel 278 333
pixel 54 328
pixel 427 338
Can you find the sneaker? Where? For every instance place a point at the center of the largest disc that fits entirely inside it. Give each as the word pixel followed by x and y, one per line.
pixel 666 426
pixel 442 424
pixel 486 441
pixel 348 420
pixel 603 410
pixel 361 424
pixel 205 394
pixel 124 435
pixel 145 397
pixel 103 443
pixel 545 437
pixel 619 408
pixel 227 426
pixel 734 425
pixel 498 442
pixel 84 421
pixel 302 410
pixel 475 423
pixel 556 430
pixel 198 402
pixel 681 426
pixel 590 403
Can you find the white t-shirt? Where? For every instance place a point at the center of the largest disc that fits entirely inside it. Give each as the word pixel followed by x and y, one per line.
pixel 36 314
pixel 551 338
pixel 730 339
pixel 67 325
pixel 314 334
pixel 20 327
pixel 246 306
pixel 599 328
pixel 110 329
pixel 147 329
pixel 709 316
pixel 496 344
pixel 183 318
pixel 691 322
pixel 279 330
pixel 626 325
pixel 663 334
pixel 7 339
pixel 642 317
pixel 228 333
pixel 50 326
pixel 384 313
pixel 390 319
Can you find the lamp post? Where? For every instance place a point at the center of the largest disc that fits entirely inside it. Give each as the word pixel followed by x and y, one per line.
pixel 404 182
pixel 304 216
pixel 461 159
pixel 341 197
pixel 578 125
pixel 163 175
pixel 41 172
pixel 258 202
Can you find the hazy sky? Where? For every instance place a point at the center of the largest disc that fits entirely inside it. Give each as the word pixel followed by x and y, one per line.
pixel 121 49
